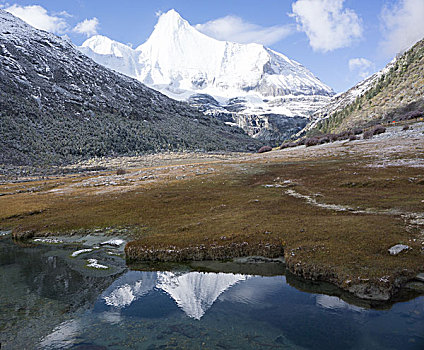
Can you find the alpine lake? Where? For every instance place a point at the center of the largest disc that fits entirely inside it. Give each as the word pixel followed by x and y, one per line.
pixel 55 295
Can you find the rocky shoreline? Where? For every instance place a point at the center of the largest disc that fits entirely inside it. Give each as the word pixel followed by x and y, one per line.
pixel 371 290
pixel 378 289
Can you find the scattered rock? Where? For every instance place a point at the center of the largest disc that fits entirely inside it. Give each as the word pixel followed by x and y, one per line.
pixel 398 248
pixel 113 242
pixel 82 251
pixel 264 149
pixel 93 263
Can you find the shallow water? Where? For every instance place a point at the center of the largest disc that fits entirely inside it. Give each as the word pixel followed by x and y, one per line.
pixel 50 300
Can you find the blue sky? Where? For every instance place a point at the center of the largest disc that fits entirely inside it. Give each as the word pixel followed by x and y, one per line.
pixel 340 41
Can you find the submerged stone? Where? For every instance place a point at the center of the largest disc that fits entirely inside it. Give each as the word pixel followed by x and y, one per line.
pixel 95 265
pixel 420 277
pixel 48 240
pixel 416 286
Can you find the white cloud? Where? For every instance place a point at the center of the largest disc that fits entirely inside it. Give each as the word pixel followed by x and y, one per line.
pixel 361 66
pixel 65 14
pixel 327 24
pixel 87 27
pixel 403 25
pixel 235 29
pixel 39 18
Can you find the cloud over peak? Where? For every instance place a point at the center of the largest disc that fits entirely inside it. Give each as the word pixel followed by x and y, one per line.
pixel 39 18
pixel 235 29
pixel 88 27
pixel 327 24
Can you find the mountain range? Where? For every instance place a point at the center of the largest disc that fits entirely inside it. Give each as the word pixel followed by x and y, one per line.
pixel 247 85
pixel 58 106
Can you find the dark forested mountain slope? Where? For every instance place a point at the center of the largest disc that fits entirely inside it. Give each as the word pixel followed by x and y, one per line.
pixel 58 106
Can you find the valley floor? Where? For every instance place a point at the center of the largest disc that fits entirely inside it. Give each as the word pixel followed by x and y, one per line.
pixel 332 210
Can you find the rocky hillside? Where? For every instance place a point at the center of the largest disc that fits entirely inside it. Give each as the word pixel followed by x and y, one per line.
pixel 270 128
pixel 58 106
pixel 388 95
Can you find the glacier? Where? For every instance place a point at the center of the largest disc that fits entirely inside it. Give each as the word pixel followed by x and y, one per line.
pixel 183 63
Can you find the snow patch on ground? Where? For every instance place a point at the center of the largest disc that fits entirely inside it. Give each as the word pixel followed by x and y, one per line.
pixel 313 201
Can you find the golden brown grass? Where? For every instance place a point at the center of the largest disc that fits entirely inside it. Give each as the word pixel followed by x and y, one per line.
pixel 234 211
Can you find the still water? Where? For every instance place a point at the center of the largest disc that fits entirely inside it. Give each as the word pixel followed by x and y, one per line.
pixel 51 300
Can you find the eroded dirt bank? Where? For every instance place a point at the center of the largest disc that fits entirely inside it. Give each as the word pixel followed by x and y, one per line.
pixel 332 210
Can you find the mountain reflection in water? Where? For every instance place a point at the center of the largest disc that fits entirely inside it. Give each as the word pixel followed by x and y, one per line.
pixel 193 292
pixel 52 300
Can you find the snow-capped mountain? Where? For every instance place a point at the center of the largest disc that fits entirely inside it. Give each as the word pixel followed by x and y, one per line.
pixel 180 61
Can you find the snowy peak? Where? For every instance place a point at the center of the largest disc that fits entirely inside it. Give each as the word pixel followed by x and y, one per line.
pixel 102 45
pixel 112 54
pixel 177 54
pixel 172 21
pixel 168 26
pixel 178 59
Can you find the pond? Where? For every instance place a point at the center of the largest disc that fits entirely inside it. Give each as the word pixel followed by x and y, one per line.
pixel 51 300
